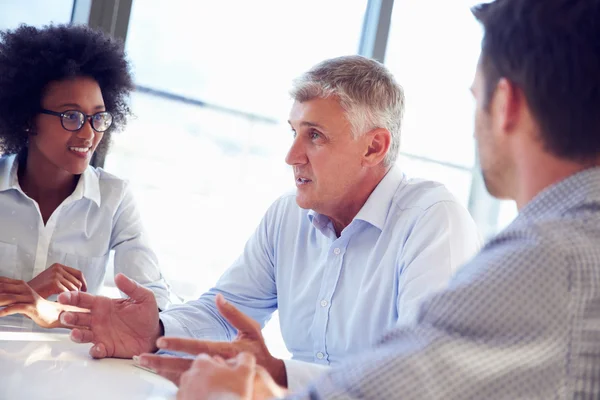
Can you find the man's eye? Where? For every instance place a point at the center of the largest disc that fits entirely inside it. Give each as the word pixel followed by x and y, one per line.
pixel 314 135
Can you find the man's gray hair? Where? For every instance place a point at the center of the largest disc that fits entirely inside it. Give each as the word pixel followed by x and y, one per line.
pixel 367 91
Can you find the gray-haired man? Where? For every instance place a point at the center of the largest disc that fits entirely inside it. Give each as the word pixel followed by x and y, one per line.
pixel 345 258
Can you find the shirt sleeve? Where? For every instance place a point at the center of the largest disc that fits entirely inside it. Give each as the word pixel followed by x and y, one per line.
pixel 300 373
pixel 501 330
pixel 249 284
pixel 443 239
pixel 133 256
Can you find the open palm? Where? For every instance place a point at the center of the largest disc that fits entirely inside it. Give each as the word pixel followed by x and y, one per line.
pixel 118 328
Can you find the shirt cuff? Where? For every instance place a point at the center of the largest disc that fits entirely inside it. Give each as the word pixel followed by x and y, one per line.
pixel 161 294
pixel 172 326
pixel 162 302
pixel 300 373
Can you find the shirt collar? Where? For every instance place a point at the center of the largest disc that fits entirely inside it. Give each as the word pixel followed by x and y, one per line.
pixel 88 185
pixel 576 190
pixel 8 174
pixel 376 208
pixel 318 220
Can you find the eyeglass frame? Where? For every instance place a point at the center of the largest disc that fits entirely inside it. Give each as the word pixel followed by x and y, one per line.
pixel 86 116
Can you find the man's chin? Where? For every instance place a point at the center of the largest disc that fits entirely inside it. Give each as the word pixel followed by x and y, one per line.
pixel 303 202
pixel 493 188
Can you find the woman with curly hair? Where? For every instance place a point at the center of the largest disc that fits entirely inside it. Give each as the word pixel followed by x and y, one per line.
pixel 63 91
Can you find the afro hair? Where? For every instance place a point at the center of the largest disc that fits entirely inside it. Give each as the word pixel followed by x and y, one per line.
pixel 30 58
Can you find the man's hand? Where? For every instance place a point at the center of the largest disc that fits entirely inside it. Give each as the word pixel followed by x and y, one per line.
pixel 19 298
pixel 58 279
pixel 119 328
pixel 249 339
pixel 240 376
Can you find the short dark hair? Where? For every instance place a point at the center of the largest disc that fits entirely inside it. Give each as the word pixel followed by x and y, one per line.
pixel 550 49
pixel 30 58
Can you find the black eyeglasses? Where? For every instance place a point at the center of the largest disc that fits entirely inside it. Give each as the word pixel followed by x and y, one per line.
pixel 73 120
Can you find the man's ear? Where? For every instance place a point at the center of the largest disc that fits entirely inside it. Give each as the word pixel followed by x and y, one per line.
pixel 507 104
pixel 378 143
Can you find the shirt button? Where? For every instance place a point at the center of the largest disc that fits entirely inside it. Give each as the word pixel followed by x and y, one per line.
pixel 324 303
pixel 336 251
pixel 320 355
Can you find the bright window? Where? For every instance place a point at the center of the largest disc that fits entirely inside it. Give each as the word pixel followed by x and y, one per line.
pixel 34 12
pixel 432 50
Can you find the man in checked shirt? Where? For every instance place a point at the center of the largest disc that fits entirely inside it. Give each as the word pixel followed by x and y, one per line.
pixel 522 319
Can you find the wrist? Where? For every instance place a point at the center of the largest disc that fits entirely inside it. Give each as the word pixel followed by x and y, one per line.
pixel 33 286
pixel 44 294
pixel 159 332
pixel 278 372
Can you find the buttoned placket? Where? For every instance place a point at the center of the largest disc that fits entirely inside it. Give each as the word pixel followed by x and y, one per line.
pixel 45 235
pixel 331 276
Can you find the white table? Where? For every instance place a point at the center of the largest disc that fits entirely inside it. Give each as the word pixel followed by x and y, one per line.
pixel 47 365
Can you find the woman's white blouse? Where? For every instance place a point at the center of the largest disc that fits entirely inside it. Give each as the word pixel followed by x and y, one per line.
pixel 99 216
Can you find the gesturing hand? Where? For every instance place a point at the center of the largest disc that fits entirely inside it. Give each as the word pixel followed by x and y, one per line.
pixel 249 339
pixel 209 377
pixel 119 328
pixel 57 279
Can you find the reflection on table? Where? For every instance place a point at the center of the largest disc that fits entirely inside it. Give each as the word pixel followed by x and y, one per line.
pixel 45 364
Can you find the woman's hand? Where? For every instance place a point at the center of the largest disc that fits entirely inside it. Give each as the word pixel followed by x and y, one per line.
pixel 19 298
pixel 58 279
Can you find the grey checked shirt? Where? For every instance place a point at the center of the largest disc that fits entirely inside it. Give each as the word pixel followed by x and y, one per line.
pixel 520 321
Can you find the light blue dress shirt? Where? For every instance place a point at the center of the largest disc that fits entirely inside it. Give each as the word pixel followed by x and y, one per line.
pixel 337 295
pixel 99 216
pixel 520 321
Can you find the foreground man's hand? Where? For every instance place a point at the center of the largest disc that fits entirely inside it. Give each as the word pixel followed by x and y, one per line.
pixel 249 339
pixel 118 328
pixel 19 298
pixel 209 377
